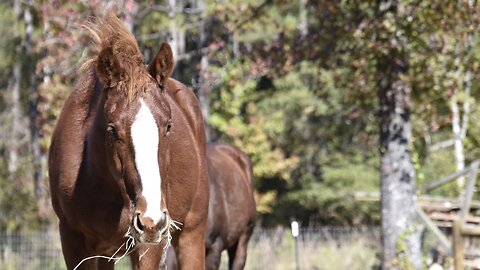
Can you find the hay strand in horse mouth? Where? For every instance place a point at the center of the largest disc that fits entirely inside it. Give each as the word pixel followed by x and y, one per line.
pixel 130 245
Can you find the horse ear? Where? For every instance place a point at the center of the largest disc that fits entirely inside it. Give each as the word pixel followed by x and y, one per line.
pixel 161 67
pixel 109 69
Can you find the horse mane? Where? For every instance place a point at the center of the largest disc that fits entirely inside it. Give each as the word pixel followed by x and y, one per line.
pixel 110 32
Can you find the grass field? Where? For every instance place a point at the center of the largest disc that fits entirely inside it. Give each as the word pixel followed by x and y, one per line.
pixel 319 249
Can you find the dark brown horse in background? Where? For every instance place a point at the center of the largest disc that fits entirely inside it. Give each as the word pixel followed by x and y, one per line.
pixel 231 216
pixel 127 159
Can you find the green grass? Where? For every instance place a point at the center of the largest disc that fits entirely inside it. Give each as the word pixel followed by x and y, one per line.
pixel 317 251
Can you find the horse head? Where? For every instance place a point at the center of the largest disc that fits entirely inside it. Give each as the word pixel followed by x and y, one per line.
pixel 138 131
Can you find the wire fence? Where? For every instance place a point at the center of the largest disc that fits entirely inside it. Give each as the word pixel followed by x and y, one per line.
pixel 319 248
pixel 35 250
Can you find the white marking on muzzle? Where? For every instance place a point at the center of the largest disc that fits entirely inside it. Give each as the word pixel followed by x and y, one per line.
pixel 145 143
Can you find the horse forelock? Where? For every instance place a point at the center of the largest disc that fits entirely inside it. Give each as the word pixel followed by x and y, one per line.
pixel 110 32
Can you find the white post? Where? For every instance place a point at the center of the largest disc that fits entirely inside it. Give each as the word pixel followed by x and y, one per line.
pixel 295 232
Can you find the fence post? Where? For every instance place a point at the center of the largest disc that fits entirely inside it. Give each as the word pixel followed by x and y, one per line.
pixel 295 232
pixel 466 199
pixel 458 244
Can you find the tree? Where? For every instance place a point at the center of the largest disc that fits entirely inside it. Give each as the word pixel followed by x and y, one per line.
pixel 397 172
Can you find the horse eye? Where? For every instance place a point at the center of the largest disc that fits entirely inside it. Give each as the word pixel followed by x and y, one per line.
pixel 111 129
pixel 169 127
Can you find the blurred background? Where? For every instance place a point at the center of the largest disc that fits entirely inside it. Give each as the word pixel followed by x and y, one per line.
pixel 295 84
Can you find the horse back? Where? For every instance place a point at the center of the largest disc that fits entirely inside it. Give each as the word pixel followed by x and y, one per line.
pixel 237 156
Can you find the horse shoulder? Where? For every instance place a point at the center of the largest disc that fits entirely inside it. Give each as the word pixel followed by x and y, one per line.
pixel 68 139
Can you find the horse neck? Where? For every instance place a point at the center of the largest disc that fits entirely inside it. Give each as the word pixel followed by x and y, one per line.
pixel 96 140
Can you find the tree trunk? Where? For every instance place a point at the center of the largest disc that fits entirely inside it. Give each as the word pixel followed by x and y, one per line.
pixel 303 25
pixel 397 171
pixel 460 120
pixel 458 141
pixel 39 190
pixel 203 94
pixel 15 102
pixel 173 28
pixel 13 145
pixel 400 237
pixel 203 89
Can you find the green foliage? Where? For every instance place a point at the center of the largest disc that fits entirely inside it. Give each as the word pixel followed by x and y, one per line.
pixel 403 254
pixel 437 165
pixel 233 116
pixel 17 205
pixel 314 98
pixel 331 199
pixel 6 43
pixel 281 127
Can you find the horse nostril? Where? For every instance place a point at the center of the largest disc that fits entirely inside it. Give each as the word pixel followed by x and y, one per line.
pixel 137 223
pixel 163 218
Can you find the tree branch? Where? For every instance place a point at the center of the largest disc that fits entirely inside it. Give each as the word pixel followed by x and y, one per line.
pixel 441 145
pixel 166 9
pixel 256 11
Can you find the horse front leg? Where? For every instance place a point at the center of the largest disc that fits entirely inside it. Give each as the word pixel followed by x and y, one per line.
pixel 190 250
pixel 74 249
pixel 105 264
pixel 237 255
pixel 214 255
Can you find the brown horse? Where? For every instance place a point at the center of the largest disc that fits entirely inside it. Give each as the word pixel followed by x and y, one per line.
pixel 127 159
pixel 231 216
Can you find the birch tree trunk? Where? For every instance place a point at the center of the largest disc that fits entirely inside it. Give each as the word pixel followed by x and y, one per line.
pixel 303 26
pixel 203 94
pixel 203 89
pixel 460 119
pixel 13 146
pixel 173 28
pixel 38 160
pixel 15 102
pixel 458 141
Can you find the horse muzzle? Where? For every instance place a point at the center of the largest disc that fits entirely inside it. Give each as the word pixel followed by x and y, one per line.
pixel 149 231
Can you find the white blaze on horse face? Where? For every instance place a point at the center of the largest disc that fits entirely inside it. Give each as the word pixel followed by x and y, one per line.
pixel 145 143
